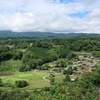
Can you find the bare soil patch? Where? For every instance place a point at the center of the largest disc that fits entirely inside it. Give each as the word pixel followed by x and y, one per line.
pixel 6 74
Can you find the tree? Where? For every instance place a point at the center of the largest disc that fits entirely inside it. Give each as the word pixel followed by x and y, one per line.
pixel 61 64
pixel 52 80
pixel 1 84
pixel 24 68
pixel 93 77
pixel 39 62
pixel 17 55
pixel 68 71
pixel 71 56
pixel 21 83
pixel 67 78
pixel 76 79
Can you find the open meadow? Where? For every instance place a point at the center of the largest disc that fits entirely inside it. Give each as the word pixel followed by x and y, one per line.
pixel 35 79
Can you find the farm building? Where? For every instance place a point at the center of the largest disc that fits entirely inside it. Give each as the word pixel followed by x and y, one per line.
pixel 87 70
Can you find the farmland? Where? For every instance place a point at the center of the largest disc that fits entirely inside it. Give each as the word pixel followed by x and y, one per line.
pixel 34 79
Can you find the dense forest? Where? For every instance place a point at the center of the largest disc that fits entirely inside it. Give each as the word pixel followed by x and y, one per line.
pixel 25 55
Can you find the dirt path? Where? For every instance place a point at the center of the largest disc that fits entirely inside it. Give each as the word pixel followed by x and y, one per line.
pixel 44 78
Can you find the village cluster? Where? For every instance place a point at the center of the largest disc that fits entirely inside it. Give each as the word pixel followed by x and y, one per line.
pixel 80 66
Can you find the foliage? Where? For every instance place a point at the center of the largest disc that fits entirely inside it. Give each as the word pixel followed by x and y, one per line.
pixel 67 78
pixel 61 63
pixel 24 68
pixel 10 65
pixel 93 77
pixel 1 84
pixel 66 91
pixel 18 54
pixel 45 50
pixel 96 53
pixel 52 80
pixel 21 83
pixel 68 71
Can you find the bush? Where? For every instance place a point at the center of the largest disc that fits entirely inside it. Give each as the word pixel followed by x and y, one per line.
pixel 21 83
pixel 1 84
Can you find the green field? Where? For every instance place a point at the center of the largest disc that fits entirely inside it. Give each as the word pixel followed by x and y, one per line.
pixel 34 79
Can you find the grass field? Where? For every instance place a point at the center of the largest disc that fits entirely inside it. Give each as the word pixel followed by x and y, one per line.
pixel 34 79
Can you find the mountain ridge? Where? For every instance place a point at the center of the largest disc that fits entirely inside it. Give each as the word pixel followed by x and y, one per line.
pixel 8 33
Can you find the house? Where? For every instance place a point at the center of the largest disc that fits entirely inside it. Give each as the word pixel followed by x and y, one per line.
pixel 57 70
pixel 87 70
pixel 89 60
pixel 92 57
pixel 92 65
pixel 79 62
pixel 74 72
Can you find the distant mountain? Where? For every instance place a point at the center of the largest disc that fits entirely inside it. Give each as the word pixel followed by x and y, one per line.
pixel 46 34
pixel 29 34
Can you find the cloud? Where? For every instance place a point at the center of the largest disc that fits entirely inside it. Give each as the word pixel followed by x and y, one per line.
pixel 50 15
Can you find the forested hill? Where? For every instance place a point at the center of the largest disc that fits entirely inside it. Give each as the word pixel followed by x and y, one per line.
pixel 47 34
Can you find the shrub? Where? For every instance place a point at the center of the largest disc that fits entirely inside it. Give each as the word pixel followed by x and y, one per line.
pixel 21 83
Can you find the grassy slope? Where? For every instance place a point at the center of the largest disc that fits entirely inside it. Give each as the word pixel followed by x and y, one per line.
pixel 35 79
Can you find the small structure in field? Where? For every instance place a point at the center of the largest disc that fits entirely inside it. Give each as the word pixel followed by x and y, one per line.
pixel 87 70
pixel 57 70
pixel 72 80
pixel 92 57
pixel 89 60
pixel 74 72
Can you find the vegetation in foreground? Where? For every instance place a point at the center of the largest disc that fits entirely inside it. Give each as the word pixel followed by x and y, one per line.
pixel 50 69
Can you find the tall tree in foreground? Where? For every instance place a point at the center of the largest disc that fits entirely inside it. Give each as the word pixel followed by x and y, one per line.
pixel 67 78
pixel 52 80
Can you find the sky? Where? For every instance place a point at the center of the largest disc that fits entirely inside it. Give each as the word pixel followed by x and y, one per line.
pixel 64 16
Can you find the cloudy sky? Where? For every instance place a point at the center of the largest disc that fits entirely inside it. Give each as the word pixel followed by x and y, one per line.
pixel 50 15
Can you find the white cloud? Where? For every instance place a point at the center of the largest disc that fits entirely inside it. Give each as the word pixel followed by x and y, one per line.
pixel 49 15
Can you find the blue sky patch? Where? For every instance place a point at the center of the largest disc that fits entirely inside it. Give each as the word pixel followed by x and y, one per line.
pixel 66 1
pixel 79 14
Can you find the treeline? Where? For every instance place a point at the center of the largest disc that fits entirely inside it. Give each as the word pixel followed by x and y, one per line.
pixel 74 44
pixel 7 53
pixel 36 57
pixel 36 52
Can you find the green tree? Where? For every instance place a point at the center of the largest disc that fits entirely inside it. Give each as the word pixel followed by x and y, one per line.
pixel 67 78
pixel 21 83
pixel 52 80
pixel 1 84
pixel 68 71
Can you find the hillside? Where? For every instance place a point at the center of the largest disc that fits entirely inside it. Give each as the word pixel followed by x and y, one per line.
pixel 47 34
